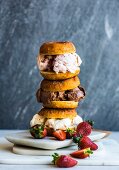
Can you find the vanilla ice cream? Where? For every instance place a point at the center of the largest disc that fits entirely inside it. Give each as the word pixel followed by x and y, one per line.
pixel 37 119
pixel 56 124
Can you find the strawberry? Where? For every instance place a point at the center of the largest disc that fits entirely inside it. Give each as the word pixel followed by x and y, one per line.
pixel 84 128
pixel 85 142
pixel 38 131
pixel 63 161
pixel 83 153
pixel 70 133
pixel 59 134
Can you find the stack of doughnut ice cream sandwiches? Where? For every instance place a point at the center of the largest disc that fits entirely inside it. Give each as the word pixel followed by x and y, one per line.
pixel 60 90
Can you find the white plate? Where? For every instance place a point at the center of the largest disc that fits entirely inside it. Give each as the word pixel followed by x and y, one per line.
pixel 25 139
pixel 25 150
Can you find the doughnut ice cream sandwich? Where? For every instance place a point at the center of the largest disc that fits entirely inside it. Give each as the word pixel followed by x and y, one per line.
pixel 60 94
pixel 58 60
pixel 56 119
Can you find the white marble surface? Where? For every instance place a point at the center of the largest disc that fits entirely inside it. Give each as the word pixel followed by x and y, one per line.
pixel 114 135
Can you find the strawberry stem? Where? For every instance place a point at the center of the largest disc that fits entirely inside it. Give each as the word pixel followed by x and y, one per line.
pixel 69 130
pixel 55 157
pixel 88 151
pixel 77 139
pixel 91 122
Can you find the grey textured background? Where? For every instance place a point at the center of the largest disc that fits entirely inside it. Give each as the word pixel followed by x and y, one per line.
pixel 93 25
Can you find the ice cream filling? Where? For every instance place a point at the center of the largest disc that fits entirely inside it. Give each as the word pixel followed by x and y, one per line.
pixel 56 124
pixel 63 63
pixel 75 94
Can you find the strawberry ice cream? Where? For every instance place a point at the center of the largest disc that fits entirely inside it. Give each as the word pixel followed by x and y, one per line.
pixel 63 63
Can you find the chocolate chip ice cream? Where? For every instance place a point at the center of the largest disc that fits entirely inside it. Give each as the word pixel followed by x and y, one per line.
pixel 75 94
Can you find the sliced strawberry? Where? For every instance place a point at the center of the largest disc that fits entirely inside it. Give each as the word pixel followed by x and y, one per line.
pixel 83 153
pixel 38 131
pixel 63 161
pixel 84 128
pixel 85 142
pixel 59 134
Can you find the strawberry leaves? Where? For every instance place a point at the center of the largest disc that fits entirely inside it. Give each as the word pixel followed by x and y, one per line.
pixel 38 131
